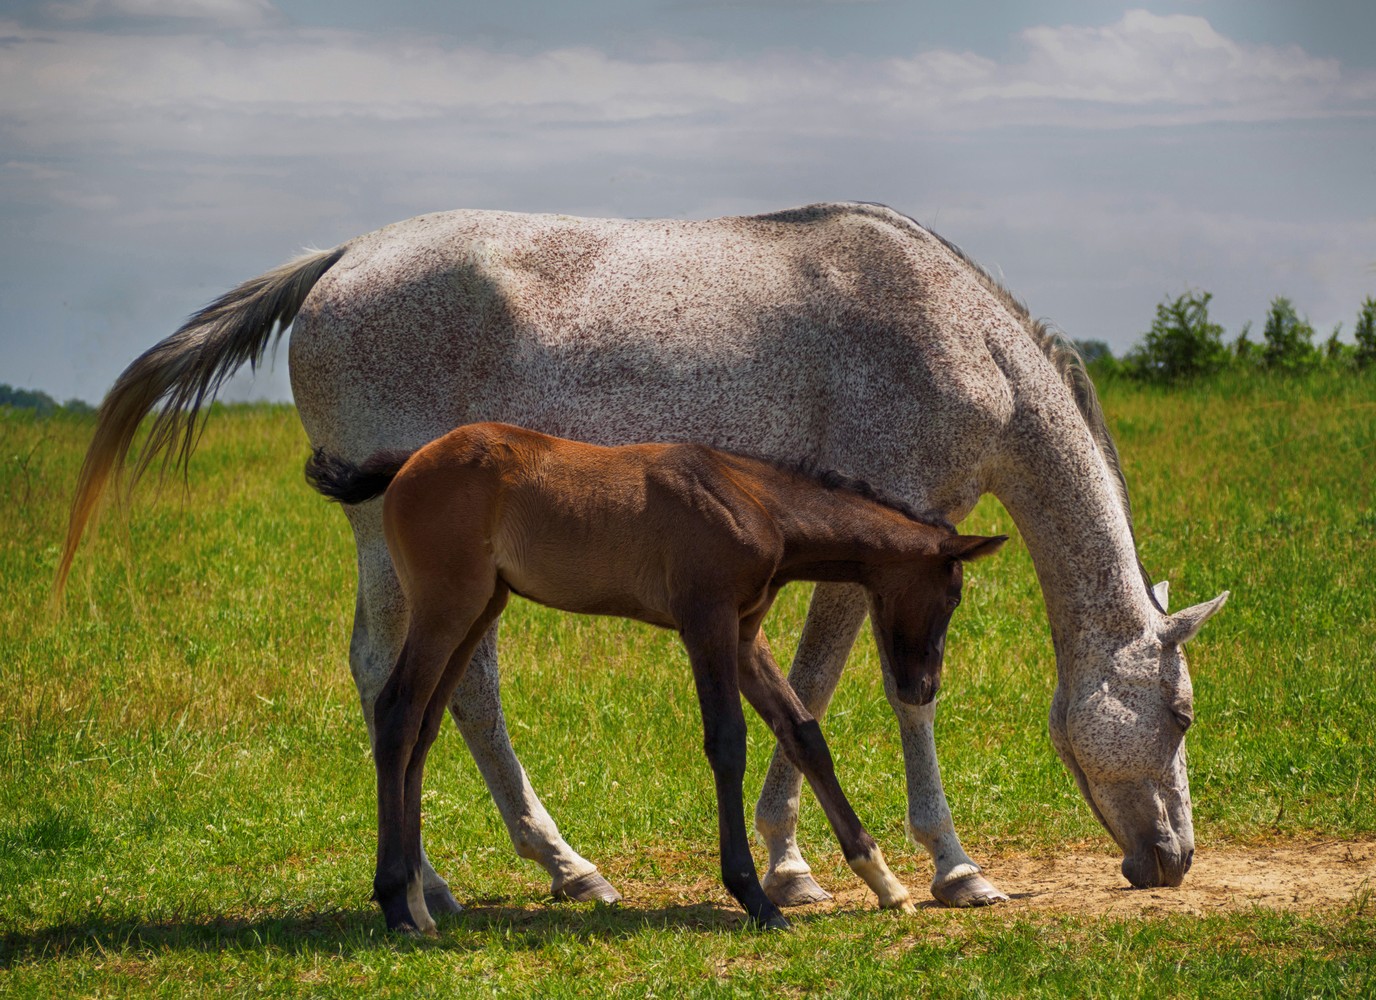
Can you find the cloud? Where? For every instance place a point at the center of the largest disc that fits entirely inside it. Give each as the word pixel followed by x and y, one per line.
pixel 287 87
pixel 223 13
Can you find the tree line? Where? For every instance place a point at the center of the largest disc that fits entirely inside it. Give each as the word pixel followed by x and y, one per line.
pixel 1183 343
pixel 40 402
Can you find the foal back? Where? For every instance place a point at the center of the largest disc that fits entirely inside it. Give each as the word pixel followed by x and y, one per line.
pixel 586 529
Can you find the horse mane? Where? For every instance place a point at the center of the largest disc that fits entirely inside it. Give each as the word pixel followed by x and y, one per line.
pixel 1069 366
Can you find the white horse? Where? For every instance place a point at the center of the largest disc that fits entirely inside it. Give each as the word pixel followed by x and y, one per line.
pixel 840 336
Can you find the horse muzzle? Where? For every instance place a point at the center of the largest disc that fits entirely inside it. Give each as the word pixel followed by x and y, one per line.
pixel 920 690
pixel 1157 866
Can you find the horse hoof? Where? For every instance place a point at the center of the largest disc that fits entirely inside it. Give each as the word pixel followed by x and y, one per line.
pixel 970 890
pixel 589 888
pixel 794 890
pixel 438 899
pixel 777 922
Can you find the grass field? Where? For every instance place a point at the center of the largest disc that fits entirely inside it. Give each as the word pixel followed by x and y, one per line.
pixel 187 804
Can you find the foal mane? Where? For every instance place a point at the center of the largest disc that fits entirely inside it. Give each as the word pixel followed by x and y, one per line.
pixel 841 483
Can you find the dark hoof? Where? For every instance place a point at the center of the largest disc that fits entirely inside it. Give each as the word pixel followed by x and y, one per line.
pixel 400 921
pixel 794 890
pixel 438 899
pixel 970 890
pixel 776 922
pixel 589 888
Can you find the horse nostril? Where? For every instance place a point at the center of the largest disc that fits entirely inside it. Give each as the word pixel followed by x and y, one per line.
pixel 1189 858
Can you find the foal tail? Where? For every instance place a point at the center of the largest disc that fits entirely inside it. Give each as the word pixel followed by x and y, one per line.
pixel 182 373
pixel 343 482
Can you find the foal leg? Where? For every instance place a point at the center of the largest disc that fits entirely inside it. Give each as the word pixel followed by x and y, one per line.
pixel 433 717
pixel 379 628
pixel 833 621
pixel 477 708
pixel 445 627
pixel 711 646
pixel 800 739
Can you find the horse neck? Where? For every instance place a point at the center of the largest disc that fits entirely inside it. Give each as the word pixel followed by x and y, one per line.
pixel 1058 488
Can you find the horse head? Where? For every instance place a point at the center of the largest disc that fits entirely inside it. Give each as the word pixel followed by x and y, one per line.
pixel 1119 725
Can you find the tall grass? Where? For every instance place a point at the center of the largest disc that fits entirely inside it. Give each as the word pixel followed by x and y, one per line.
pixel 187 787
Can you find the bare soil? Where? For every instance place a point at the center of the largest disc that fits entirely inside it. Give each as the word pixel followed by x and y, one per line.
pixel 1298 877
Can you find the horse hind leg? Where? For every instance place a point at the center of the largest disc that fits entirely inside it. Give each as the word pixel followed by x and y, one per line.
pixel 477 708
pixel 833 622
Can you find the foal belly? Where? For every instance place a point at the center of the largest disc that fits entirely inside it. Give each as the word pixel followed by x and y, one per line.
pixel 590 586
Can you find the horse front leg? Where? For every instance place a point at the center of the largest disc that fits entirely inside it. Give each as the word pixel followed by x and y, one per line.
pixel 833 622
pixel 958 880
pixel 477 708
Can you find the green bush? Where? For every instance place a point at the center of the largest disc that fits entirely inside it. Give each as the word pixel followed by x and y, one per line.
pixel 1366 333
pixel 1182 342
pixel 1288 339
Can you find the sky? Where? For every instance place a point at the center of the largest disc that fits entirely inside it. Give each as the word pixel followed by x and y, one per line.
pixel 1097 158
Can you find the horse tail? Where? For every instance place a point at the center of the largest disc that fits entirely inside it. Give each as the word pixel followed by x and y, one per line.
pixel 343 482
pixel 182 373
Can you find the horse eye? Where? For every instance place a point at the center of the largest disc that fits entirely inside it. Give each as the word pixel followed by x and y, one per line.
pixel 1183 719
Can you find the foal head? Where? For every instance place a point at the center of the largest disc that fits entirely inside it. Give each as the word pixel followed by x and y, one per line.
pixel 911 603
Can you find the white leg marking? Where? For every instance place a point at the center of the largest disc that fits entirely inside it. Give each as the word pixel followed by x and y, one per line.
pixel 893 895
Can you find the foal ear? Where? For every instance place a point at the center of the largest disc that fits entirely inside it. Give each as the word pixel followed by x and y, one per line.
pixel 1182 626
pixel 970 547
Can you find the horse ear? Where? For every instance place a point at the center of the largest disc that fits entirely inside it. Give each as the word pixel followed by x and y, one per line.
pixel 1162 591
pixel 970 547
pixel 1182 626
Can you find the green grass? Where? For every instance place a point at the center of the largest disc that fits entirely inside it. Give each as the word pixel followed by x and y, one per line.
pixel 187 803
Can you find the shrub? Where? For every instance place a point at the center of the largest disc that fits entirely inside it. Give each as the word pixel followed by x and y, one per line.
pixel 1182 342
pixel 1288 339
pixel 1366 333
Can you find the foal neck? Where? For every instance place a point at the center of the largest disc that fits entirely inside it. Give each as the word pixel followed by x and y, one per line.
pixel 834 533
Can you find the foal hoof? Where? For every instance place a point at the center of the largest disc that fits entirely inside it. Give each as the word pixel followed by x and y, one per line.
pixel 589 888
pixel 438 899
pixel 794 890
pixel 969 890
pixel 777 922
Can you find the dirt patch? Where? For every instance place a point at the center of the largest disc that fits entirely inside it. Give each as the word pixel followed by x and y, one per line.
pixel 1296 877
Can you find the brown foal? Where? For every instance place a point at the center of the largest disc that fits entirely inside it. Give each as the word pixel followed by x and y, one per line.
pixel 677 535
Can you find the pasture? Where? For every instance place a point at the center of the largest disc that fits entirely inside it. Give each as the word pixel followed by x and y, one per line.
pixel 188 797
